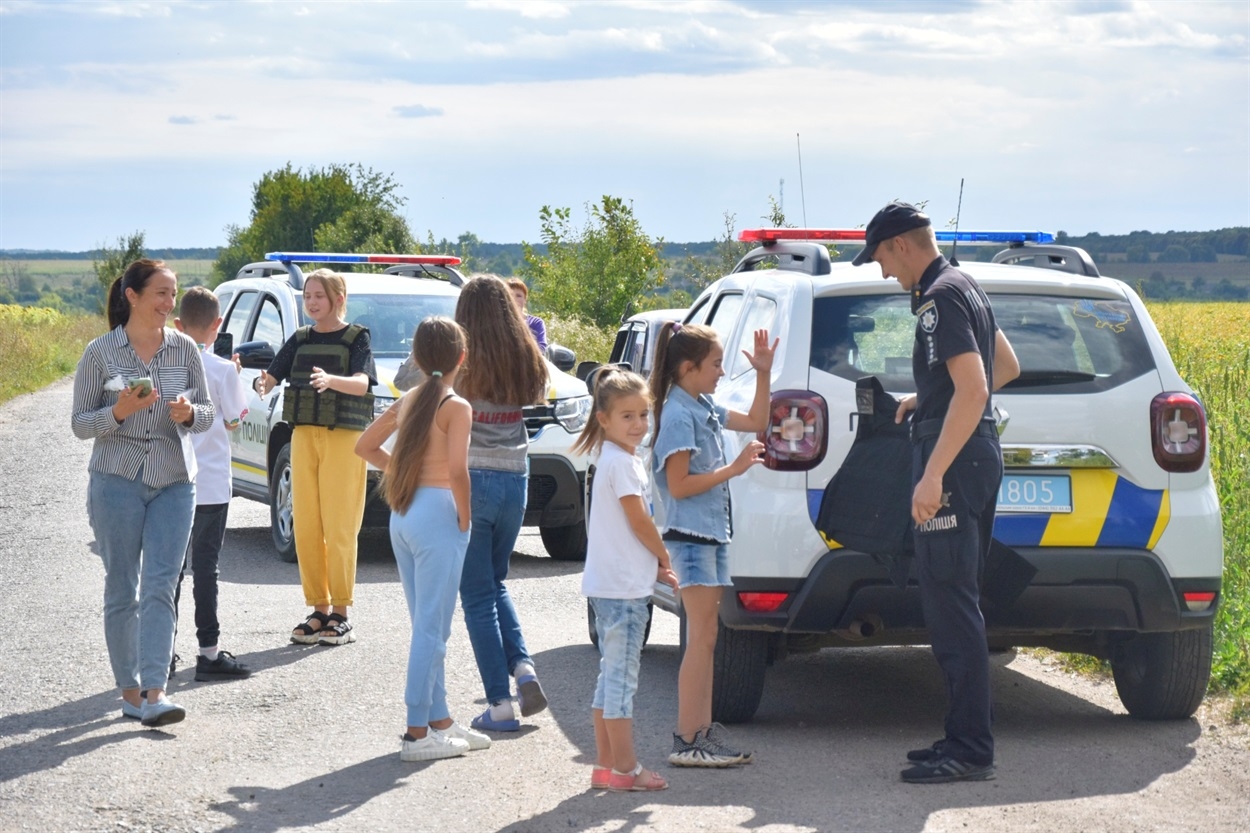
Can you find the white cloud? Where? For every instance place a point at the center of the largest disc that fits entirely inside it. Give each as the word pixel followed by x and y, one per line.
pixel 689 107
pixel 534 9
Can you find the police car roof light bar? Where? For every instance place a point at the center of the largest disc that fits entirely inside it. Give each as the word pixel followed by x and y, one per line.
pixel 335 257
pixel 972 238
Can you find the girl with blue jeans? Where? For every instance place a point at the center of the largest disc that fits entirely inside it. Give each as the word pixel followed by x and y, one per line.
pixel 426 483
pixel 503 373
pixel 139 392
pixel 692 476
pixel 624 559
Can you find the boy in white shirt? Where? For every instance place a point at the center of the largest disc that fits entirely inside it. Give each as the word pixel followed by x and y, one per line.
pixel 200 316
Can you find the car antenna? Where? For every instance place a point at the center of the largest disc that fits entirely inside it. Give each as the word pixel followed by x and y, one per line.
pixel 802 194
pixel 958 208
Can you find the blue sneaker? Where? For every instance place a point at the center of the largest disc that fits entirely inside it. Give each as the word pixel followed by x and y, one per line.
pixel 135 712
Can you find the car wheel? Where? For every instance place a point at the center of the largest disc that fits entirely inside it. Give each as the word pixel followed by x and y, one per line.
pixel 281 508
pixel 1163 676
pixel 565 543
pixel 739 664
pixel 594 633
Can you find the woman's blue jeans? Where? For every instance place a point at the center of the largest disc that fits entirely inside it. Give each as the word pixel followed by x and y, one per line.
pixel 494 629
pixel 142 535
pixel 429 552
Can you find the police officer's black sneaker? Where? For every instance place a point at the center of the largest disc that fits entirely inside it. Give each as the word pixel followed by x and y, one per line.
pixel 944 769
pixel 225 667
pixel 928 753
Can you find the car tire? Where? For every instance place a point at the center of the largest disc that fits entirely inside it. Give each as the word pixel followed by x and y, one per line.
pixel 281 507
pixel 565 543
pixel 594 634
pixel 1163 676
pixel 739 665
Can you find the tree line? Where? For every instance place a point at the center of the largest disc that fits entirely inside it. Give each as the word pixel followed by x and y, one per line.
pixel 596 268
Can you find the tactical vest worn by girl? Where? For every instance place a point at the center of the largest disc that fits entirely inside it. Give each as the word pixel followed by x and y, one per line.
pixel 303 405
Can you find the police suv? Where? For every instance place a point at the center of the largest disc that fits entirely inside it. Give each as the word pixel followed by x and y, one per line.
pixel 1107 490
pixel 262 307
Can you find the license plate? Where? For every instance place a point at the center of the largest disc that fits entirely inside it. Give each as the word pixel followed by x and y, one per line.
pixel 1035 493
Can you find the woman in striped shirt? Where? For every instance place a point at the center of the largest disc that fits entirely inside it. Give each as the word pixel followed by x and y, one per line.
pixel 140 393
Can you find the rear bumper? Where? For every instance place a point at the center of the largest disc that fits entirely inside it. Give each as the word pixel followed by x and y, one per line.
pixel 1075 591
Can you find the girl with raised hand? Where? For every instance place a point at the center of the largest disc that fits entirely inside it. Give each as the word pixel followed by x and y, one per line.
pixel 692 476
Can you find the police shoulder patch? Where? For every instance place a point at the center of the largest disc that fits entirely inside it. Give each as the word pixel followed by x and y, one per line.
pixel 928 315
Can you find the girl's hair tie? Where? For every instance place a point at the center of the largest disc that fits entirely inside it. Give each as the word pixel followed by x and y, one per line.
pixel 438 374
pixel 676 327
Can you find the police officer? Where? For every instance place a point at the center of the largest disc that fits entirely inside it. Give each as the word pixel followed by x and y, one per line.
pixel 959 356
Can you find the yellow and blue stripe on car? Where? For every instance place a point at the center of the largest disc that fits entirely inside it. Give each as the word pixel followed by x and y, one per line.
pixel 1107 511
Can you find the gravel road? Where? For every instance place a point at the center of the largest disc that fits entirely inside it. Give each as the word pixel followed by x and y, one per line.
pixel 311 740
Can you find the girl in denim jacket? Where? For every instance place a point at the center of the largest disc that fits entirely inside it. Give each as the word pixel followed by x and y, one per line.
pixel 691 473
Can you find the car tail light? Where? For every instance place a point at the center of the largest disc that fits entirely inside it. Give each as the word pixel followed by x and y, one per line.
pixel 1178 432
pixel 1197 602
pixel 762 602
pixel 797 434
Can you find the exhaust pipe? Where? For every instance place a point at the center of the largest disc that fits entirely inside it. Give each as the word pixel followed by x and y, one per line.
pixel 865 627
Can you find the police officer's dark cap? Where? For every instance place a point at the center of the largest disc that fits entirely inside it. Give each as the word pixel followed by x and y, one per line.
pixel 895 219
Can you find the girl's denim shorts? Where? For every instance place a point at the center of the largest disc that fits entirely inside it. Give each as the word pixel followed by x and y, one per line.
pixel 699 564
pixel 621 625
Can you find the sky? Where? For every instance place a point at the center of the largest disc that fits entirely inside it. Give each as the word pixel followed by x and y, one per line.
pixel 160 117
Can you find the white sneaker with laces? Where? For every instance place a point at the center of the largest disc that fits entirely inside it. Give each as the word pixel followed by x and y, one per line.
pixel 476 740
pixel 434 746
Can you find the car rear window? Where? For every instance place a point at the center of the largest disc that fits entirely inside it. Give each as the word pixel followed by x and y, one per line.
pixel 1064 344
pixel 392 319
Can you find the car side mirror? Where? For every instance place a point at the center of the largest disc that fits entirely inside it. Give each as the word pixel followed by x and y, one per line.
pixel 584 369
pixel 562 357
pixel 255 355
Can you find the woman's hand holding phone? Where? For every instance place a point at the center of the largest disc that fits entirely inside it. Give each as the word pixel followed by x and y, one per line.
pixel 137 396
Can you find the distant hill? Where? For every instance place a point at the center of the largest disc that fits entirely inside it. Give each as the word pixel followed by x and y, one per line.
pixel 1160 265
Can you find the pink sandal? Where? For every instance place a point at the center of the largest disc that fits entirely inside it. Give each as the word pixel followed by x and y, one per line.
pixel 600 777
pixel 640 780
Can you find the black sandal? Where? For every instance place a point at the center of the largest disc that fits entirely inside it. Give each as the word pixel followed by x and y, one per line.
pixel 306 633
pixel 337 631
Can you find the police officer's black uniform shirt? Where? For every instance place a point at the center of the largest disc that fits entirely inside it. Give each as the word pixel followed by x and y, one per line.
pixel 953 317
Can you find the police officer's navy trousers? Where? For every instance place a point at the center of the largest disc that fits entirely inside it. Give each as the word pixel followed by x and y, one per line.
pixel 950 557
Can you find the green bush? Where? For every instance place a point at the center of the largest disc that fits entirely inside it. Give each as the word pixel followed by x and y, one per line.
pixel 586 340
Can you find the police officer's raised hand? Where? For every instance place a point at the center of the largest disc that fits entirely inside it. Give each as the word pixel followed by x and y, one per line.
pixel 762 358
pixel 907 403
pixel 751 455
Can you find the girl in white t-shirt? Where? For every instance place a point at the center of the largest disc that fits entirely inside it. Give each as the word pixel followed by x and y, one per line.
pixel 624 559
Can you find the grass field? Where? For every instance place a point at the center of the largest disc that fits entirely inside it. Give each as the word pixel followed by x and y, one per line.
pixel 61 274
pixel 40 346
pixel 1210 344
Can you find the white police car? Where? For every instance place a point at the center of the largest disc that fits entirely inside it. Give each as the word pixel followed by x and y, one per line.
pixel 262 307
pixel 1107 489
